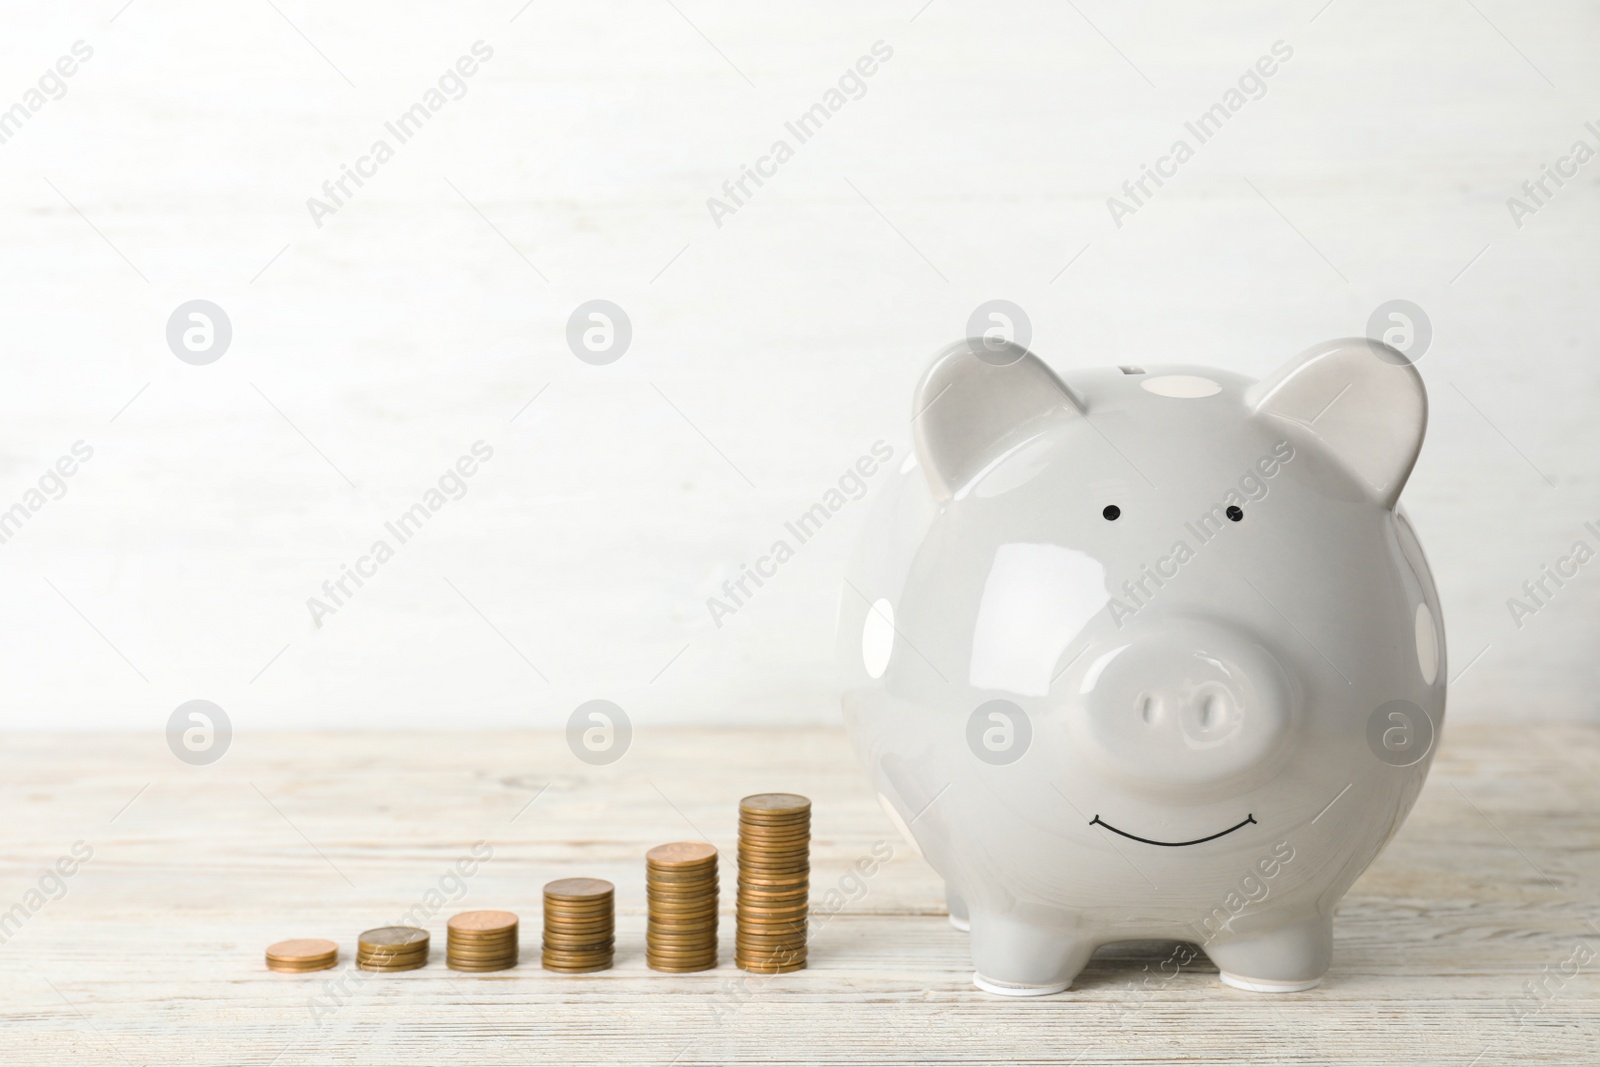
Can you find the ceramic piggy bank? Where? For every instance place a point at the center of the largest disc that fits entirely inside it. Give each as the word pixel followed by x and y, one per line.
pixel 1148 652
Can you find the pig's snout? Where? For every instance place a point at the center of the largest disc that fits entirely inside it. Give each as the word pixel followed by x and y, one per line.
pixel 1186 706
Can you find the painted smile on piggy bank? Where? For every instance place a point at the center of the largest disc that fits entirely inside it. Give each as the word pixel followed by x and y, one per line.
pixel 1249 820
pixel 1114 646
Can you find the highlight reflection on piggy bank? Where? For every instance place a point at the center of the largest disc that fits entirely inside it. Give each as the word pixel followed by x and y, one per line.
pixel 1150 652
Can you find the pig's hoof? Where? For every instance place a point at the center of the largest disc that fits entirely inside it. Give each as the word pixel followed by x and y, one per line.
pixel 1267 985
pixel 1016 989
pixel 959 917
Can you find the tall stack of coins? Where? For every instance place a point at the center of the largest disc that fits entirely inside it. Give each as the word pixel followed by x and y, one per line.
pixel 302 954
pixel 392 948
pixel 481 941
pixel 579 925
pixel 774 882
pixel 681 885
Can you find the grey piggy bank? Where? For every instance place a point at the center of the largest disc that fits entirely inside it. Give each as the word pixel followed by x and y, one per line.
pixel 1148 652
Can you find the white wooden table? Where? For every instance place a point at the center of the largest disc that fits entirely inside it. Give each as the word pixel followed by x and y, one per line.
pixel 154 952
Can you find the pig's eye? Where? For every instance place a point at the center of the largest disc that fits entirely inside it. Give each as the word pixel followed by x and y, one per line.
pixel 1111 512
pixel 1235 512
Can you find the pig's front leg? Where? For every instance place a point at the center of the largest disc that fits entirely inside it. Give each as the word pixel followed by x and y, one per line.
pixel 1285 960
pixel 958 909
pixel 1022 958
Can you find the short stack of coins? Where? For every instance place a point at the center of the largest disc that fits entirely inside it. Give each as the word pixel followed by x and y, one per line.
pixel 481 941
pixel 392 948
pixel 579 925
pixel 302 954
pixel 681 886
pixel 774 883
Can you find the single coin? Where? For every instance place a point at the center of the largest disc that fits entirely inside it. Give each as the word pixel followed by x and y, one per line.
pixel 578 889
pixel 393 936
pixel 682 853
pixel 774 804
pixel 482 922
pixel 301 949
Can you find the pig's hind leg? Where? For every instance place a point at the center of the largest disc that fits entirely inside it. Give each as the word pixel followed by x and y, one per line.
pixel 1285 960
pixel 1022 958
pixel 957 908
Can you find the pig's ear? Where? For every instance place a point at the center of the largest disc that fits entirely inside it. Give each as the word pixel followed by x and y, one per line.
pixel 975 403
pixel 1362 399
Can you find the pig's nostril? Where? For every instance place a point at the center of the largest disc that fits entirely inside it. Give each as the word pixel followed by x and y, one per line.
pixel 1211 713
pixel 1149 710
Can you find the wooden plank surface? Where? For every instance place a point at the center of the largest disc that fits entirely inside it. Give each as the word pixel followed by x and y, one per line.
pixel 153 952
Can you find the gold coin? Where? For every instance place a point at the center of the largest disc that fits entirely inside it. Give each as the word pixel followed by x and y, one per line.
pixel 302 949
pixel 774 804
pixel 397 936
pixel 481 922
pixel 578 889
pixel 303 954
pixel 682 854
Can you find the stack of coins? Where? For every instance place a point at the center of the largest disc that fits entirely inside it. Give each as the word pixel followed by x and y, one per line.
pixel 681 885
pixel 481 941
pixel 579 925
pixel 302 954
pixel 774 886
pixel 392 948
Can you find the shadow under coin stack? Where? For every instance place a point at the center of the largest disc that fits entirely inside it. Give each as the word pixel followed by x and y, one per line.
pixel 302 954
pixel 392 948
pixel 579 925
pixel 481 941
pixel 774 883
pixel 681 885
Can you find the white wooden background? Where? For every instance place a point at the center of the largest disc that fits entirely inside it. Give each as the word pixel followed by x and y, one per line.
pixel 768 353
pixel 154 953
